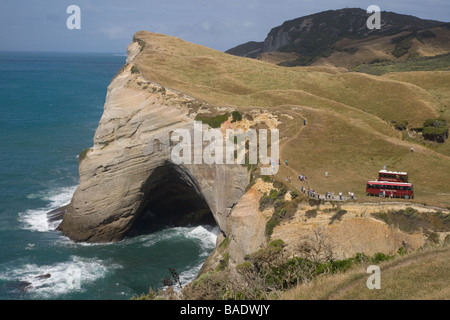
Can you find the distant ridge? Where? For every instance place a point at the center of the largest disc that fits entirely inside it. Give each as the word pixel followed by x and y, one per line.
pixel 313 36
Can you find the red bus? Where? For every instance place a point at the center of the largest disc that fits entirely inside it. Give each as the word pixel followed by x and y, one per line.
pixel 393 176
pixel 386 188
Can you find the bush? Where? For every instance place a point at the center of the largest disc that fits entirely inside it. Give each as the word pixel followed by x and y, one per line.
pixel 311 213
pixel 314 202
pixel 380 257
pixel 337 216
pixel 435 130
pixel 401 251
pixel 409 220
pixel 236 116
pixel 271 224
pixel 134 69
pixel 294 194
pixel 435 134
pixel 83 154
pixel 401 125
pixel 427 34
pixel 403 45
pixel 265 202
pixel 213 122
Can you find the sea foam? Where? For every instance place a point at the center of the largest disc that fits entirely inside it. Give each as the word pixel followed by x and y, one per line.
pixel 56 280
pixel 36 219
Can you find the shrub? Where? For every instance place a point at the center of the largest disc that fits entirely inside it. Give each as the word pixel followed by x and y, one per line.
pixel 134 69
pixel 410 221
pixel 294 194
pixel 435 134
pixel 267 178
pixel 311 213
pixel 271 224
pixel 426 34
pixel 428 123
pixel 314 202
pixel 83 154
pixel 401 125
pixel 401 251
pixel 403 43
pixel 237 116
pixel 436 130
pixel 337 216
pixel 265 202
pixel 213 122
pixel 380 257
pixel 410 212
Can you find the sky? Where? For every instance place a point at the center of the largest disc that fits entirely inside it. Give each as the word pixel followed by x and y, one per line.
pixel 109 25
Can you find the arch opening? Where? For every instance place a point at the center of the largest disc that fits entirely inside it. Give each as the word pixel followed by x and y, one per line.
pixel 170 198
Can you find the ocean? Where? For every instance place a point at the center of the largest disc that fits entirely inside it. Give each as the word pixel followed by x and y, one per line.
pixel 50 105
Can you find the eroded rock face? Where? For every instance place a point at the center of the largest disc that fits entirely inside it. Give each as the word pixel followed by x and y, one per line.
pixel 128 183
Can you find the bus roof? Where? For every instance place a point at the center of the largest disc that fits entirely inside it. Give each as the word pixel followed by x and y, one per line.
pixel 389 182
pixel 394 172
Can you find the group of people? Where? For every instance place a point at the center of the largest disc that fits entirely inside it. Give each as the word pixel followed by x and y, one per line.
pixel 328 195
pixel 311 192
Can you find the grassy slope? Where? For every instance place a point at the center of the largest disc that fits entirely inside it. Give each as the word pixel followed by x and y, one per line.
pixel 398 280
pixel 381 48
pixel 348 132
pixel 429 64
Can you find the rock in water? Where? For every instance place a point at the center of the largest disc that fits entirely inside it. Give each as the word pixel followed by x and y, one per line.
pixel 57 214
pixel 44 276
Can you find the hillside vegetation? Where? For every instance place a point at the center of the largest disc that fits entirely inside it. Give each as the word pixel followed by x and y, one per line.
pixel 398 280
pixel 349 131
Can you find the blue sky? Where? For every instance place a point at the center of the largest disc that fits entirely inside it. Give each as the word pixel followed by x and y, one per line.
pixel 109 25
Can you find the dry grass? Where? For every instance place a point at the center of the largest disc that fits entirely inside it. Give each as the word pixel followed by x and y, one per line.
pixel 422 275
pixel 348 114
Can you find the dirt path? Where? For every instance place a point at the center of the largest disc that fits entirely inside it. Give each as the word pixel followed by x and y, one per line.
pixel 295 182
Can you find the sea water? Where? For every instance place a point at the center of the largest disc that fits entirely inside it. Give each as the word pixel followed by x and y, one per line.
pixel 50 105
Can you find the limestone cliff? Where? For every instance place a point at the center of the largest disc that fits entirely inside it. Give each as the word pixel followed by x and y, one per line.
pixel 128 183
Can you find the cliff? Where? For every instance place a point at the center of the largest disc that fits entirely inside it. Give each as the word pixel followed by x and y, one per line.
pixel 128 183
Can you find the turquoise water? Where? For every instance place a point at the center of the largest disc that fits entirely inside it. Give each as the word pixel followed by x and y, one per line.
pixel 50 105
